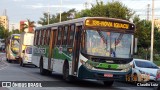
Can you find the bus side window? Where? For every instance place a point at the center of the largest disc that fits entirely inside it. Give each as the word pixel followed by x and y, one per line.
pixel 59 37
pixel 62 35
pixel 39 38
pixel 35 37
pixel 44 33
pixel 71 36
pixel 83 41
pixel 48 37
pixel 65 35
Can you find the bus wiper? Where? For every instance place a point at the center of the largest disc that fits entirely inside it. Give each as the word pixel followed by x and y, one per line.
pixel 102 36
pixel 119 39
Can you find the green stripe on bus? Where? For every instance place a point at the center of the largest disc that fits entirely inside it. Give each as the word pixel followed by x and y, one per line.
pixel 102 65
pixel 61 55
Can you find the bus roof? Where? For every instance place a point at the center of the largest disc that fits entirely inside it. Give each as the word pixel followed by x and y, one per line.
pixel 79 20
pixel 15 34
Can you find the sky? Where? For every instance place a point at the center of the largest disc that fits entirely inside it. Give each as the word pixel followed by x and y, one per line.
pixel 18 10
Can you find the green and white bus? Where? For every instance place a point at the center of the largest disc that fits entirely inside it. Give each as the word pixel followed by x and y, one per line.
pixel 87 48
pixel 12 47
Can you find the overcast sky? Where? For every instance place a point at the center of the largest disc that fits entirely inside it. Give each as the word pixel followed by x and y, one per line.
pixel 33 9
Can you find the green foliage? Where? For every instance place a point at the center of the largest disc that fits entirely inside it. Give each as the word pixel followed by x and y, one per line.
pixel 111 9
pixel 30 25
pixel 55 18
pixel 157 63
pixel 143 33
pixel 15 31
pixel 1 31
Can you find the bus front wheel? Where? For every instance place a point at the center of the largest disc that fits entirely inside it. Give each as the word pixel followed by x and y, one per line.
pixel 108 83
pixel 66 75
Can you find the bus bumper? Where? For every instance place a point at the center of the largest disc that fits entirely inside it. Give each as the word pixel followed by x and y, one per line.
pixel 85 73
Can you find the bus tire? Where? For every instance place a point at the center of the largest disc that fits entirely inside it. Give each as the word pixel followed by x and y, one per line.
pixel 10 61
pixel 42 70
pixel 7 59
pixel 66 75
pixel 48 72
pixel 20 62
pixel 108 83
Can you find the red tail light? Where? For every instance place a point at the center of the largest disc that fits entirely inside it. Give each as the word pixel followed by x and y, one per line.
pixel 158 75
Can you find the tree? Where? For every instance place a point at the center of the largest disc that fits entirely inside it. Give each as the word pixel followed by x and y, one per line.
pixel 143 33
pixel 15 31
pixel 30 25
pixel 111 9
pixel 44 20
pixel 1 31
pixel 66 15
pixel 55 18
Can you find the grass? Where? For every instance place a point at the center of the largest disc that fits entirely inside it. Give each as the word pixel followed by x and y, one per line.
pixel 157 63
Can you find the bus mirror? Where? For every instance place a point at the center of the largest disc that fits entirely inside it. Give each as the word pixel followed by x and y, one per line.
pixel 23 51
pixel 69 50
pixel 135 45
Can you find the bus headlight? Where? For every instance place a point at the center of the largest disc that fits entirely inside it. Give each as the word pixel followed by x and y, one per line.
pixel 126 69
pixel 26 58
pixel 86 64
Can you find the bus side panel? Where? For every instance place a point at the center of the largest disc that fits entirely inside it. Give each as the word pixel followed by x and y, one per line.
pixel 58 65
pixel 45 62
pixel 35 57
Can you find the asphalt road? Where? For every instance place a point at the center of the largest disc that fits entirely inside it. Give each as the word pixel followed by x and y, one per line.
pixel 13 72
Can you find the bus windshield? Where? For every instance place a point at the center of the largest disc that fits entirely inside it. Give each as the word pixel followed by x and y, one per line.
pixel 109 44
pixel 15 45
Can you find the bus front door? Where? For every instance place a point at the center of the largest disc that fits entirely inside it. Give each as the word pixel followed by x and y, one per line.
pixel 76 50
pixel 51 45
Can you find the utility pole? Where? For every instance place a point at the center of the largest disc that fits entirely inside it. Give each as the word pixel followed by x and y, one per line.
pixel 152 33
pixel 86 5
pixel 148 11
pixel 48 14
pixel 60 11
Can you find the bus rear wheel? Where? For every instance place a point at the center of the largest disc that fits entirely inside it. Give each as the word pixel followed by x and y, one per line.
pixel 66 75
pixel 42 71
pixel 10 61
pixel 108 83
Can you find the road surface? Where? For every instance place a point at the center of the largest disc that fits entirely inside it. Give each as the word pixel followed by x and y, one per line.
pixel 14 72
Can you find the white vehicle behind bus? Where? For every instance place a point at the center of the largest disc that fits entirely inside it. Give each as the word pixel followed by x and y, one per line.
pixel 25 48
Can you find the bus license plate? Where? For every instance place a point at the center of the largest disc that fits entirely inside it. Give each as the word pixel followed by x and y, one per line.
pixel 108 75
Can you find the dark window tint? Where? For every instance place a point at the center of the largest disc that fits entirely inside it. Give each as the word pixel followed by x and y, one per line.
pixel 71 36
pixel 145 64
pixel 65 35
pixel 59 36
pixel 41 38
pixel 48 37
pixel 29 50
pixel 37 38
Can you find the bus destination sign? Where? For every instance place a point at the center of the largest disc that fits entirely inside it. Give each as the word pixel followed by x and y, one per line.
pixel 16 37
pixel 110 24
